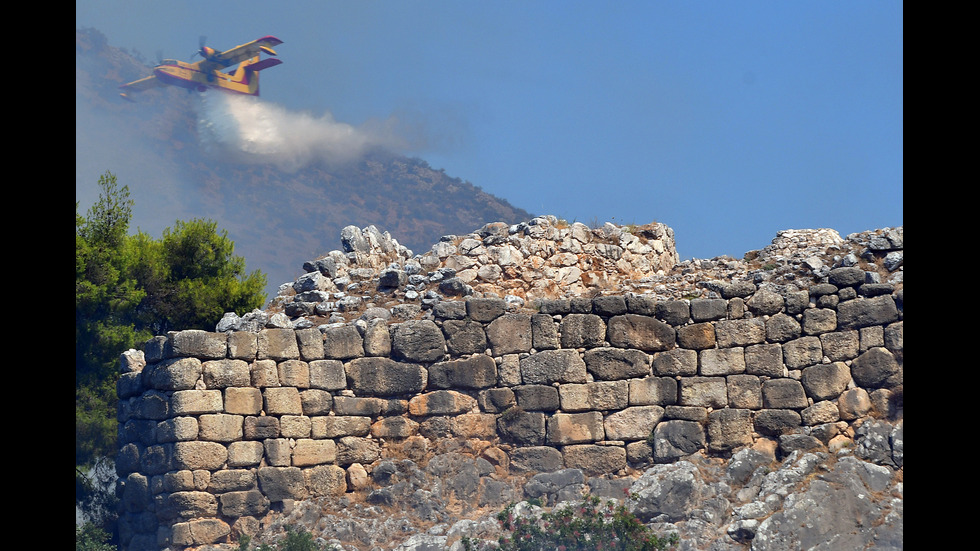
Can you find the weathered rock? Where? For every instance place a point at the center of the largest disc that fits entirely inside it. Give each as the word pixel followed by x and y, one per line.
pixel 384 377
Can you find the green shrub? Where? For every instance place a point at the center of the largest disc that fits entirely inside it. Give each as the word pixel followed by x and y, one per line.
pixel 588 526
pixel 295 540
pixel 90 537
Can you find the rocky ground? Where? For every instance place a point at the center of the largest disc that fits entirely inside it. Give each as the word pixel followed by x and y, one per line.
pixel 797 491
pixel 814 497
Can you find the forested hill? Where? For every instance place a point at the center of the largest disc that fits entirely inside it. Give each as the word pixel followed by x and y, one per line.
pixel 278 218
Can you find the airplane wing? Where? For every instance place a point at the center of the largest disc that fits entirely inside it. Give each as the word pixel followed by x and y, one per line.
pixel 142 84
pixel 245 51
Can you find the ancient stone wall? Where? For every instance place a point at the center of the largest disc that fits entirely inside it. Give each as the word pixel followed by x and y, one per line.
pixel 217 428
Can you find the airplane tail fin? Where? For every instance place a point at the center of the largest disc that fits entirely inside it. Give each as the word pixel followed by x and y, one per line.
pixel 247 72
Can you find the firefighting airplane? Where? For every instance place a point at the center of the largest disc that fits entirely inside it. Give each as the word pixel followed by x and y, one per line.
pixel 207 73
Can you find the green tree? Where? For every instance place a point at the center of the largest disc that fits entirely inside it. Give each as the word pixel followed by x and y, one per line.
pixel 192 277
pixel 131 287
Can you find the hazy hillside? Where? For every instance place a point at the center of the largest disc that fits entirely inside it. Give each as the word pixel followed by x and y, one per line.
pixel 279 216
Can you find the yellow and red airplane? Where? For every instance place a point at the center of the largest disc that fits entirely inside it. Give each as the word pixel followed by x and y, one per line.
pixel 207 73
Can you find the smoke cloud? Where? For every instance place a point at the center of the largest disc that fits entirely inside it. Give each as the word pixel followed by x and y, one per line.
pixel 258 132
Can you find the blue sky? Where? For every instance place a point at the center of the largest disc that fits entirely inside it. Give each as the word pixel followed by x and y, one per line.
pixel 728 121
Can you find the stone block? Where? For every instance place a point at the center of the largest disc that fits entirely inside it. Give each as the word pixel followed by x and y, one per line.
pixel 608 306
pixel 221 427
pixel 156 460
pixel 826 381
pixel 544 332
pixel 817 321
pixel 464 337
pixel 582 331
pixel 196 402
pixel 232 480
pixel 782 328
pixel 820 413
pixel 716 362
pixel 703 392
pixel 509 334
pixel 327 375
pixel 863 312
pixel 309 452
pixel 599 395
pixel 225 373
pixel 476 372
pixel 417 341
pixel 349 405
pixel 674 439
pixel 640 332
pixel 802 352
pixel 764 360
pixel 395 428
pixel 173 374
pixel 766 303
pixel 176 429
pixel 729 429
pixel 295 426
pixel 377 338
pixel 595 460
pixel 652 391
pixel 326 481
pixel 740 332
pixel 854 404
pixel 277 344
pixel 278 452
pixel 876 368
pixel 294 373
pixel 474 425
pixel 209 456
pixel 575 428
pixel 485 310
pixel 245 454
pixel 342 343
pixel 609 364
pixel 282 483
pixel 536 397
pixel 708 309
pixel 385 377
pixel 265 373
pixel 632 423
pixel 524 428
pixel 496 400
pixel 353 449
pixel 441 402
pixel 282 401
pixel 190 505
pixel 553 366
pixel 509 370
pixel 744 391
pixel 774 422
pixel 783 394
pixel 199 344
pixel 536 459
pixel 674 312
pixel 676 362
pixel 130 384
pixel 261 428
pixel 310 343
pixel 841 345
pixel 316 401
pixel 242 345
pixel 643 305
pixel 243 504
pixel 336 426
pixel 696 336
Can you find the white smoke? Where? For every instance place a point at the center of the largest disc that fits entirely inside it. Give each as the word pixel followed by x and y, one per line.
pixel 263 133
